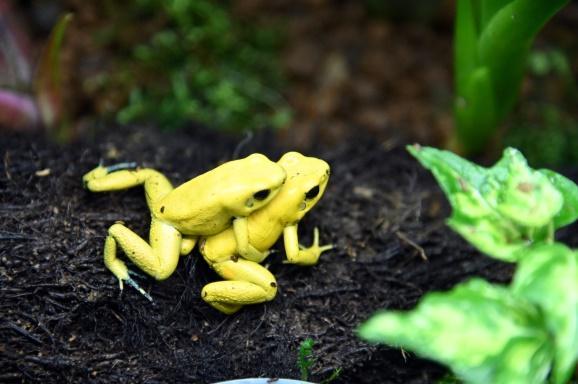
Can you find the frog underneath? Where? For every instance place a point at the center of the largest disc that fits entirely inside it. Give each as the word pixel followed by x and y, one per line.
pixel 246 281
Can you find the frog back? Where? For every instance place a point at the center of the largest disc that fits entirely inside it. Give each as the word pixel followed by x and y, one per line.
pixel 207 204
pixel 194 208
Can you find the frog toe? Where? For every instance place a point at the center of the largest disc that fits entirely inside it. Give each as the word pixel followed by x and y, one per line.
pixel 137 274
pixel 136 286
pixel 326 247
pixel 121 166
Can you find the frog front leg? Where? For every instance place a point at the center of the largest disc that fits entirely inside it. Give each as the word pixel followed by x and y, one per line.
pixel 247 283
pixel 298 254
pixel 158 258
pixel 244 247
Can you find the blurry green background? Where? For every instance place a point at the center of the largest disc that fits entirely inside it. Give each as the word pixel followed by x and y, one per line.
pixel 317 71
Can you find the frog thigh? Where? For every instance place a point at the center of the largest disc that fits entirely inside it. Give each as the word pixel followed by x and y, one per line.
pixel 158 259
pixel 247 283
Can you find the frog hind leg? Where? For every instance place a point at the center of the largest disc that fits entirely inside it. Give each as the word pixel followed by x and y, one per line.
pixel 246 282
pixel 117 177
pixel 158 258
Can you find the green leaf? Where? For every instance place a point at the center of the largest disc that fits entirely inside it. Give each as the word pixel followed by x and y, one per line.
pixel 492 236
pixel 548 277
pixel 491 46
pixel 474 110
pixel 504 44
pixel 525 196
pixel 449 169
pixel 569 190
pixel 466 42
pixel 483 332
pixel 489 8
pixel 503 209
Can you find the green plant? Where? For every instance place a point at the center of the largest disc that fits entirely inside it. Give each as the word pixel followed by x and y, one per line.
pixel 526 332
pixel 306 360
pixel 193 61
pixel 503 209
pixel 491 44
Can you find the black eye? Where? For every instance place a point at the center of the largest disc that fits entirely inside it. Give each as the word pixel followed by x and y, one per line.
pixel 312 193
pixel 261 195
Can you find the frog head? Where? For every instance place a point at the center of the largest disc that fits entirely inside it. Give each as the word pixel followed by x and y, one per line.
pixel 307 179
pixel 253 182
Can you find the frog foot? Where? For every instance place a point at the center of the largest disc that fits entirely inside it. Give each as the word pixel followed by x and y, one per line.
pixel 315 244
pixel 101 171
pixel 135 285
pixel 310 255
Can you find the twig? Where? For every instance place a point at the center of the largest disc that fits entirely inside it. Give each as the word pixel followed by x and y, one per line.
pixel 14 236
pixel 407 240
pixel 54 362
pixel 23 332
pixel 328 292
pixel 218 326
pixel 248 137
pixel 7 165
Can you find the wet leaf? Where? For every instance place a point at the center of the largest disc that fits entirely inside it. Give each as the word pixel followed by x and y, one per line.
pixel 569 190
pixel 548 277
pixel 483 332
pixel 503 209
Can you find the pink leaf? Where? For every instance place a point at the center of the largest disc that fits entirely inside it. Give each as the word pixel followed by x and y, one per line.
pixel 18 111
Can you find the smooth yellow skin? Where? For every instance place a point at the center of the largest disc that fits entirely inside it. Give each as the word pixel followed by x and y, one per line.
pixel 203 206
pixel 246 281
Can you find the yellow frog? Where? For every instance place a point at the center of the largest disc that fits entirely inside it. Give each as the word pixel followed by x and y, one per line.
pixel 203 206
pixel 247 282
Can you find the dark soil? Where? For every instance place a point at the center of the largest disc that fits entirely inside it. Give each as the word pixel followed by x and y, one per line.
pixel 63 318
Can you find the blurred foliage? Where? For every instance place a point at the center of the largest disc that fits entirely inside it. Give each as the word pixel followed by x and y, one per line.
pixel 184 61
pixel 32 99
pixel 549 140
pixel 48 84
pixel 547 132
pixel 554 62
pixel 492 42
pixel 401 10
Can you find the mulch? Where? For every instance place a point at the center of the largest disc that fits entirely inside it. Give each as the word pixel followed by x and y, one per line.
pixel 63 318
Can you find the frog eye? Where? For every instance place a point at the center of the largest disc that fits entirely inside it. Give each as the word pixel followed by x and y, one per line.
pixel 261 195
pixel 312 193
